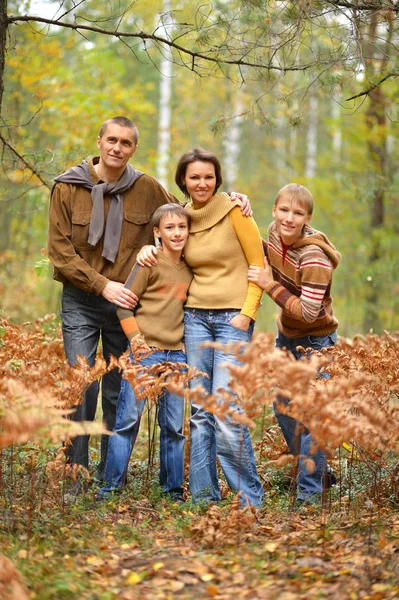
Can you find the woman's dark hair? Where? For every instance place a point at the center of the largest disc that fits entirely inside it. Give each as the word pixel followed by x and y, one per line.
pixel 169 209
pixel 192 156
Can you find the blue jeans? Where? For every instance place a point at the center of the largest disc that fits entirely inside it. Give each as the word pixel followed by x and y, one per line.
pixel 170 419
pixel 85 317
pixel 298 438
pixel 211 437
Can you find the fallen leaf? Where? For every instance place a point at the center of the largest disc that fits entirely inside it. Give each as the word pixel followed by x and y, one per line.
pixel 133 578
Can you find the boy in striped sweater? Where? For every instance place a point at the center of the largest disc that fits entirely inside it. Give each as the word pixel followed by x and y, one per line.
pixel 157 324
pixel 298 276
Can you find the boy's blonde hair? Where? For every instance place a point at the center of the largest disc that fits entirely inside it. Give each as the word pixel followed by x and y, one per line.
pixel 295 192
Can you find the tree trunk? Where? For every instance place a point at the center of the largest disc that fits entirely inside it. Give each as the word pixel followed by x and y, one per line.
pixel 377 143
pixel 337 132
pixel 165 97
pixel 3 39
pixel 231 143
pixel 311 142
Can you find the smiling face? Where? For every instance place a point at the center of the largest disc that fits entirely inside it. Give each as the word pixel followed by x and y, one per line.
pixel 200 181
pixel 173 232
pixel 290 217
pixel 117 146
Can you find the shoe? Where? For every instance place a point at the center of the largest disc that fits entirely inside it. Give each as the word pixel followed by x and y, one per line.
pixel 330 478
pixel 98 475
pixel 175 498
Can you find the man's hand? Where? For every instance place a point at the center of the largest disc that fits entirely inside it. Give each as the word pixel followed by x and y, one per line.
pixel 262 277
pixel 147 257
pixel 241 322
pixel 245 203
pixel 117 294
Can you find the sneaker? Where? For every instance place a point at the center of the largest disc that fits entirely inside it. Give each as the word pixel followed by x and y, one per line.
pixel 175 498
pixel 330 478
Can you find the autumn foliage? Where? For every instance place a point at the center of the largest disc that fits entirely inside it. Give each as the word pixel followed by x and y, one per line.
pixel 353 416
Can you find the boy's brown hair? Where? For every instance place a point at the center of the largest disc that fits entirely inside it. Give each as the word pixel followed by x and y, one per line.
pixel 169 209
pixel 295 192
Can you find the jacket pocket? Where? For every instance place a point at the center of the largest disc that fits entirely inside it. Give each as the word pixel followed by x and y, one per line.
pixel 137 229
pixel 80 228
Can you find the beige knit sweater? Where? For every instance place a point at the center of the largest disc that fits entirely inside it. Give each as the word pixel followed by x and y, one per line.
pixel 218 259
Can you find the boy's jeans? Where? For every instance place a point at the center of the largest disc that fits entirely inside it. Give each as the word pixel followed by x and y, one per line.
pixel 309 485
pixel 211 437
pixel 170 419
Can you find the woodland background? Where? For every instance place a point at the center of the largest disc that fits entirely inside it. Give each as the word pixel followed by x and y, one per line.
pixel 267 86
pixel 282 91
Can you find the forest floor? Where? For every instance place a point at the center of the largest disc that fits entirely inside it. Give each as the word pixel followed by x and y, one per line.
pixel 148 548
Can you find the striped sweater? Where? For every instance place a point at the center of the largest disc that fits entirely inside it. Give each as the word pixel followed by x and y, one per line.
pixel 302 276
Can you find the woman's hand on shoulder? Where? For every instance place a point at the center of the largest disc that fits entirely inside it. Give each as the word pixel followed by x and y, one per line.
pixel 241 322
pixel 147 256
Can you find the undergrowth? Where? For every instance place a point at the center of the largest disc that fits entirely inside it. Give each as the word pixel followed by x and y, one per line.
pixel 140 544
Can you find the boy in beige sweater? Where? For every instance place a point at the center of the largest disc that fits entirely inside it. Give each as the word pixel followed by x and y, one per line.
pixel 156 323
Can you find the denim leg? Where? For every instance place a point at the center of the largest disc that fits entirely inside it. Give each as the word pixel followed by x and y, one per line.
pixel 84 318
pixel 171 440
pixel 233 440
pixel 114 343
pixel 204 484
pixel 128 415
pixel 209 435
pixel 81 332
pixel 298 438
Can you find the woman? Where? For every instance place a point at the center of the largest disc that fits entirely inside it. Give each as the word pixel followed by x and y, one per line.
pixel 221 307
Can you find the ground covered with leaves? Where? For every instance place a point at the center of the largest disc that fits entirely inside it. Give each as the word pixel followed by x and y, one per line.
pixel 149 548
pixel 140 545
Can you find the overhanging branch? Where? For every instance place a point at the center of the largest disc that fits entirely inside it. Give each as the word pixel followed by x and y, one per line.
pixel 27 165
pixel 373 87
pixel 194 55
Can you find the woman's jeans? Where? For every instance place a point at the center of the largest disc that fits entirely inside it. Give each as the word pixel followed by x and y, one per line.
pixel 85 318
pixel 298 438
pixel 170 419
pixel 211 437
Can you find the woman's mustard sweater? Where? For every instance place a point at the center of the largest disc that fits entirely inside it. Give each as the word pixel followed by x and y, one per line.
pixel 221 245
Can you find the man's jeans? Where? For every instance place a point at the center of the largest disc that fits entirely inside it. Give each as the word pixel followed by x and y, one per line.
pixel 298 438
pixel 211 437
pixel 84 318
pixel 170 419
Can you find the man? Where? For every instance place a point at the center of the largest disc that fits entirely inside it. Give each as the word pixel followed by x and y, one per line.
pixel 100 216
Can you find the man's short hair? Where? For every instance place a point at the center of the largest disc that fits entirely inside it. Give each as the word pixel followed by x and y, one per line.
pixel 122 122
pixel 295 192
pixel 169 209
pixel 198 154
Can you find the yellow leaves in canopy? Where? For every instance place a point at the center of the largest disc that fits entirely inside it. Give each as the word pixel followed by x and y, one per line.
pixel 33 64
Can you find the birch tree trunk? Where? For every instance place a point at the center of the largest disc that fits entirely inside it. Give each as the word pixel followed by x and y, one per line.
pixel 165 98
pixel 311 138
pixel 231 145
pixel 337 132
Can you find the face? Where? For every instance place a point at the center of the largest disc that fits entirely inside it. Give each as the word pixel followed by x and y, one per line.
pixel 290 218
pixel 117 146
pixel 200 181
pixel 173 231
